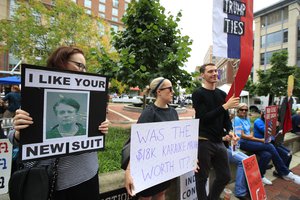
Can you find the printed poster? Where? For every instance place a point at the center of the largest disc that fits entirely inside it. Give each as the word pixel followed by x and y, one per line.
pixel 162 151
pixel 66 107
pixel 5 164
pixel 271 117
pixel 255 185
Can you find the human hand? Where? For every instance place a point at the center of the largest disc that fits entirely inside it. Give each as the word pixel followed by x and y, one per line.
pixel 103 127
pixel 232 102
pixel 22 120
pixel 129 183
pixel 226 138
pixel 197 167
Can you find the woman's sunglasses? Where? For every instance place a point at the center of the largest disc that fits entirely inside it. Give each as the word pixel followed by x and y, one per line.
pixel 246 110
pixel 170 88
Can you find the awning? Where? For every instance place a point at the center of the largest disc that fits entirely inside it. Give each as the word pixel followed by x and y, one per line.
pixel 11 80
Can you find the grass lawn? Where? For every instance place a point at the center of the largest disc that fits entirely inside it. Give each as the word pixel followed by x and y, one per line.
pixel 110 158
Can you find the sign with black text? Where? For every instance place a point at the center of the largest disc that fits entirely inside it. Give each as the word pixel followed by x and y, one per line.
pixel 271 117
pixel 66 107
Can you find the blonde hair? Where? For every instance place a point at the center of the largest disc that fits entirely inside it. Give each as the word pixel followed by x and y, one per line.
pixel 241 105
pixel 154 86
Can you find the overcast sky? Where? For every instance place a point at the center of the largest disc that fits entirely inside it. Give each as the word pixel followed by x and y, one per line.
pixel 196 22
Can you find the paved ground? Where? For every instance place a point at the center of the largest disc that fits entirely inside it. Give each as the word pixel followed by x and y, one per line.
pixel 280 190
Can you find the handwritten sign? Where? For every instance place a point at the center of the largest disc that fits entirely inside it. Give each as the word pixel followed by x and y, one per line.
pixel 5 164
pixel 69 107
pixel 255 185
pixel 271 116
pixel 188 189
pixel 162 151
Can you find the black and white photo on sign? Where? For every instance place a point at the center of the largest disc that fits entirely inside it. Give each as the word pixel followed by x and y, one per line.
pixel 65 113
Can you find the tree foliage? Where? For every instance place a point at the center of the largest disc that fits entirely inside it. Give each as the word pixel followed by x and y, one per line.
pixel 151 46
pixel 36 29
pixel 274 80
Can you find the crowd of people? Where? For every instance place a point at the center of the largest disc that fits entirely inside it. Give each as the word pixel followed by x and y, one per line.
pixel 77 174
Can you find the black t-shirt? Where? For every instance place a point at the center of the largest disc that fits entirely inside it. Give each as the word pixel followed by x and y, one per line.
pixel 152 113
pixel 213 117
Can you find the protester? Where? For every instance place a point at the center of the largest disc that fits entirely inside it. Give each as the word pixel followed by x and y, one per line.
pixel 212 110
pixel 258 146
pixel 159 111
pixel 14 101
pixel 284 153
pixel 296 122
pixel 66 111
pixel 77 174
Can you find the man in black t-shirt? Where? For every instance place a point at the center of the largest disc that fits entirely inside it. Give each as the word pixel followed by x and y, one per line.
pixel 212 110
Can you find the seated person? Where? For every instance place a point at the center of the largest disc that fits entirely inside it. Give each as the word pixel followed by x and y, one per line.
pixel 241 188
pixel 250 143
pixel 296 122
pixel 259 132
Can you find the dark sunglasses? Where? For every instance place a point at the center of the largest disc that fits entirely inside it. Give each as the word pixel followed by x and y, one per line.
pixel 170 88
pixel 246 110
pixel 78 64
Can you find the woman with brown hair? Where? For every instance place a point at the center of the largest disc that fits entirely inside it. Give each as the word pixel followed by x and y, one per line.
pixel 77 174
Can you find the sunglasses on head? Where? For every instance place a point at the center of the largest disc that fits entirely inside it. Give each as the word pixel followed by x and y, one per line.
pixel 78 64
pixel 246 110
pixel 170 88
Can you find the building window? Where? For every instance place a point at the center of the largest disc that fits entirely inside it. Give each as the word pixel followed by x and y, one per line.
pixel 274 38
pixel 116 3
pixel 285 35
pixel 102 15
pixel 88 11
pixel 115 19
pixel 115 12
pixel 101 8
pixel 102 1
pixel 101 29
pixel 262 59
pixel 88 3
pixel 126 6
pixel 263 41
pixel 115 28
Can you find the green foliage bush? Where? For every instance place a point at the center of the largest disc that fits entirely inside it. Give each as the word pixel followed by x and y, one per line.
pixel 110 158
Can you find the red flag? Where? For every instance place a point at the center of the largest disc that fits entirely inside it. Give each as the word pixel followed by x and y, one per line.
pixel 287 122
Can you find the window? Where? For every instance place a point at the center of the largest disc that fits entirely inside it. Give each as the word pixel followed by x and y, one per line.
pixel 114 28
pixel 102 1
pixel 285 35
pixel 102 15
pixel 115 19
pixel 274 38
pixel 115 12
pixel 102 8
pixel 268 56
pixel 12 8
pixel 88 11
pixel 101 29
pixel 126 6
pixel 116 3
pixel 88 3
pixel 263 41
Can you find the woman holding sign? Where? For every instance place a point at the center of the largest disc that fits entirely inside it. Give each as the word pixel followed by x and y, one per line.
pixel 77 174
pixel 160 111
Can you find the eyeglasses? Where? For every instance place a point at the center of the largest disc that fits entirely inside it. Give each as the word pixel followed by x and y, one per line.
pixel 81 66
pixel 246 110
pixel 170 88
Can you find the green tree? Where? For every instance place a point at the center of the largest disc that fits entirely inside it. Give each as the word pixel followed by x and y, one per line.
pixel 274 80
pixel 36 29
pixel 151 46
